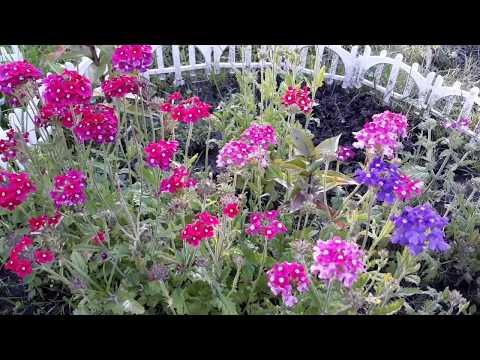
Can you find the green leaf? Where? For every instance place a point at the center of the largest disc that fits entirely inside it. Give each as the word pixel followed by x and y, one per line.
pixel 389 309
pixel 302 142
pixel 327 149
pixel 133 307
pixel 332 179
pixel 296 164
pixel 79 262
pixel 178 301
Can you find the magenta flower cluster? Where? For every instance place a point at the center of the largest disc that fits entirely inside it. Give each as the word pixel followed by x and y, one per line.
pixel 69 189
pixel 119 86
pixel 345 153
pixel 160 154
pixel 419 228
pixel 15 188
pixel 265 224
pixel 252 146
pixel 97 123
pixel 130 58
pixel 338 259
pixel 284 278
pixel 13 77
pixel 381 135
pixel 67 89
pixel 180 179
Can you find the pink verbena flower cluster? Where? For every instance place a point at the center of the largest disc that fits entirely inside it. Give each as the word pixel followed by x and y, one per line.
pixel 381 135
pixel 284 278
pixel 14 189
pixel 252 146
pixel 203 228
pixel 20 260
pixel 338 259
pixel 187 111
pixel 97 123
pixel 130 58
pixel 345 153
pixel 231 210
pixel 69 189
pixel 160 154
pixel 13 76
pixel 265 224
pixel 119 86
pixel 8 146
pixel 67 89
pixel 178 180
pixel 297 98
pixel 40 222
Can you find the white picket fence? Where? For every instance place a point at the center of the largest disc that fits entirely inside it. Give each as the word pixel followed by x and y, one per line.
pixel 353 69
pixel 348 67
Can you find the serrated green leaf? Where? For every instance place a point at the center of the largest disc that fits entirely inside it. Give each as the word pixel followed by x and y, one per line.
pixel 390 308
pixel 133 307
pixel 327 149
pixel 302 142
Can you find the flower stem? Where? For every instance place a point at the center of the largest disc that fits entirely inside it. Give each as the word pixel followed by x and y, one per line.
pixel 187 144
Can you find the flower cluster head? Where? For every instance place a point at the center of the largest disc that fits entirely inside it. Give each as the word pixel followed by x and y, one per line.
pixel 203 228
pixel 160 154
pixel 180 179
pixel 345 153
pixel 338 259
pixel 130 58
pixel 461 124
pixel 390 182
pixel 259 135
pixel 253 145
pixel 231 210
pixel 235 154
pixel 298 99
pixel 67 89
pixel 119 86
pixel 14 189
pixel 187 111
pixel 99 238
pixel 13 77
pixel 420 227
pixel 8 146
pixel 265 224
pixel 39 223
pixel 19 262
pixel 381 135
pixel 284 278
pixel 69 189
pixel 97 123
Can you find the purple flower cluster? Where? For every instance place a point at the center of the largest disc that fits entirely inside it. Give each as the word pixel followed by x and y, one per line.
pixel 414 227
pixel 391 183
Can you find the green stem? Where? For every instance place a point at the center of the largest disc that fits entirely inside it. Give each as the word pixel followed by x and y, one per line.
pixel 187 144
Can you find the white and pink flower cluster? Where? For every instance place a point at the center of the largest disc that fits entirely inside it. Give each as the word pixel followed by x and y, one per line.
pixel 284 278
pixel 338 259
pixel 252 146
pixel 381 135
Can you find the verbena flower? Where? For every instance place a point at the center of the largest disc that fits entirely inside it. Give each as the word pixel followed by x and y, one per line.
pixel 38 223
pixel 8 146
pixel 203 228
pixel 284 278
pixel 420 228
pixel 235 154
pixel 390 183
pixel 345 153
pixel 298 99
pixel 338 259
pixel 461 124
pixel 180 179
pixel 97 123
pixel 189 110
pixel 99 238
pixel 44 256
pixel 119 86
pixel 22 267
pixel 381 135
pixel 259 135
pixel 13 76
pixel 67 89
pixel 69 189
pixel 130 58
pixel 160 154
pixel 231 210
pixel 265 224
pixel 14 189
